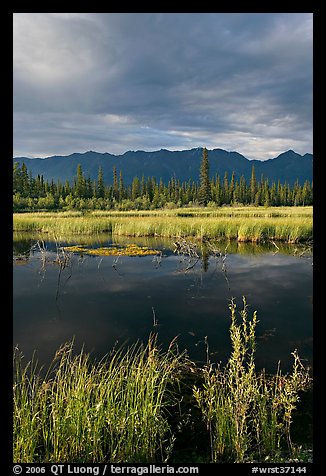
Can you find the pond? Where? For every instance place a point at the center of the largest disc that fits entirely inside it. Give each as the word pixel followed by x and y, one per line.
pixel 107 301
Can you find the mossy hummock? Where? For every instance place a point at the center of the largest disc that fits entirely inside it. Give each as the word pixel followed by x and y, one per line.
pixel 129 250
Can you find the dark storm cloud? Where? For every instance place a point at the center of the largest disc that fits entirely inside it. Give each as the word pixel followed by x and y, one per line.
pixel 113 82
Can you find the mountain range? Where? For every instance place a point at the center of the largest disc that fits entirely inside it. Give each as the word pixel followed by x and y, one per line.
pixel 184 165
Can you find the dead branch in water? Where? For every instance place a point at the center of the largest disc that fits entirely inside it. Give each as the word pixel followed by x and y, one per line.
pixel 186 248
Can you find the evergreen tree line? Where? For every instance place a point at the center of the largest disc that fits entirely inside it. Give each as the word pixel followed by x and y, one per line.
pixel 35 193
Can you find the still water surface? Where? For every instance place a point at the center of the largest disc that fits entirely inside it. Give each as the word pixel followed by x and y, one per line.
pixel 100 301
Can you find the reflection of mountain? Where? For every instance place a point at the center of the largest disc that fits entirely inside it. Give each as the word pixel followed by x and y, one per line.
pixel 183 165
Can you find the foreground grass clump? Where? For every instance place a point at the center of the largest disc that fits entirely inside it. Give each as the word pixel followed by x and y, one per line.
pixel 113 410
pixel 128 407
pixel 248 414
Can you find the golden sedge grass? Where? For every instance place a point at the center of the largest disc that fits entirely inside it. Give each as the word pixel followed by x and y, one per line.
pixel 241 224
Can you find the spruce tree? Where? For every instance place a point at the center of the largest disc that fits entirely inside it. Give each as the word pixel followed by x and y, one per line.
pixel 115 184
pixel 226 195
pixel 205 186
pixel 253 185
pixel 100 183
pixel 231 188
pixel 16 178
pixel 80 182
pixel 135 188
pixel 121 187
pixel 25 184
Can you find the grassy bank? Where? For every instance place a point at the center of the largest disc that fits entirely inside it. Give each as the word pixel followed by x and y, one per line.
pixel 138 405
pixel 256 224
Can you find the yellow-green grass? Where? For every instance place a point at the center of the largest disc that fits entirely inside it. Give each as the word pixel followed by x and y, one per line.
pixel 113 410
pixel 290 225
pixel 121 408
pixel 243 409
pixel 189 211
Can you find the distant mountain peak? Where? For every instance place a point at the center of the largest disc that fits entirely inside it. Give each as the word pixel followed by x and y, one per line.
pixel 182 164
pixel 289 152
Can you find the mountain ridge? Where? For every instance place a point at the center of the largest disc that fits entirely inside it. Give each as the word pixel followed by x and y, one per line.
pixel 288 166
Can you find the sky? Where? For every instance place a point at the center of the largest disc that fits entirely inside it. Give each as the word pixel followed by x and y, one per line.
pixel 113 82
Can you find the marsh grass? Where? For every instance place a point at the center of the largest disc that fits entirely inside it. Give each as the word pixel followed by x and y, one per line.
pixel 121 409
pixel 248 414
pixel 286 224
pixel 81 412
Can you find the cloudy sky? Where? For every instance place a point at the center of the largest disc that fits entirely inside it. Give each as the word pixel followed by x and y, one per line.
pixel 113 82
